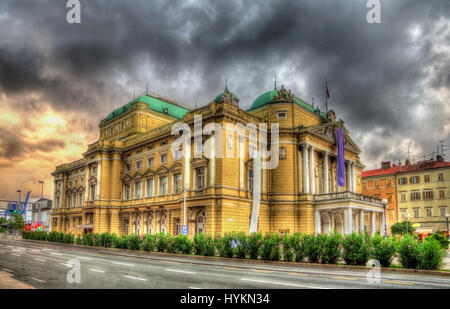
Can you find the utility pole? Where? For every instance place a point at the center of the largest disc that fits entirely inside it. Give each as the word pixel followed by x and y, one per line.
pixel 40 204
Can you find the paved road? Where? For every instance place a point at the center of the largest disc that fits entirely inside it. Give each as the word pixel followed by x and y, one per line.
pixel 43 265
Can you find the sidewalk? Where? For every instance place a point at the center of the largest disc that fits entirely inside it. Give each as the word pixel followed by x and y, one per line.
pixel 7 282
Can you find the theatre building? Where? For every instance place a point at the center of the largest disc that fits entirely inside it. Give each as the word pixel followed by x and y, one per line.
pixel 129 181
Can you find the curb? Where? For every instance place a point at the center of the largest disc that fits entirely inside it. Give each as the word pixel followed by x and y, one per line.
pixel 148 255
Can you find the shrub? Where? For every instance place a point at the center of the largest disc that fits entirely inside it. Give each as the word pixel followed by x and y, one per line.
pixel 223 245
pixel 299 247
pixel 270 249
pixel 431 254
pixel 121 242
pixel 254 245
pixel 134 242
pixel 355 249
pixel 52 236
pixel 105 240
pixel 240 245
pixel 442 240
pixel 404 227
pixel 383 249
pixel 408 249
pixel 68 238
pixel 204 245
pixel 88 239
pixel 288 247
pixel 162 241
pixel 312 245
pixel 149 242
pixel 78 240
pixel 183 244
pixel 332 251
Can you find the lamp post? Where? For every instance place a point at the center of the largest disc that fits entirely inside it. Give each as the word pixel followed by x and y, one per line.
pixel 40 204
pixel 384 202
pixel 19 191
pixel 446 217
pixel 407 223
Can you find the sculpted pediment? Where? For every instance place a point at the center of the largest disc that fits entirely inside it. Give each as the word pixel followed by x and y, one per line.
pixel 327 131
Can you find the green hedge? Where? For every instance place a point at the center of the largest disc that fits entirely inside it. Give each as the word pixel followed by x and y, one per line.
pixel 354 249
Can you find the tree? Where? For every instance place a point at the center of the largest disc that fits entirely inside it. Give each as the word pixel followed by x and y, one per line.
pixel 17 222
pixel 403 227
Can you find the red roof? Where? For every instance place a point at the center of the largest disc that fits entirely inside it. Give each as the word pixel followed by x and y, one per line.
pixel 424 165
pixel 380 171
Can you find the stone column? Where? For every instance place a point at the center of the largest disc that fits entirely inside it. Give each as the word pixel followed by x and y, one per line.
pixel 372 226
pixel 312 171
pixel 332 222
pixel 325 173
pixel 353 177
pixel 361 221
pixel 305 170
pixel 142 223
pixel 349 179
pixel 130 223
pixel 381 224
pixel 348 221
pixel 317 222
pixel 114 221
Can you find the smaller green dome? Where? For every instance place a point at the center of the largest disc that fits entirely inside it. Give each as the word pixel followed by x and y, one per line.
pixel 220 95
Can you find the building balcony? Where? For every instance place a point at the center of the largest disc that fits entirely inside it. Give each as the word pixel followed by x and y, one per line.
pixel 346 196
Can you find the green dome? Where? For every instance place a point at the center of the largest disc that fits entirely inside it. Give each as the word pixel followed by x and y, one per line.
pixel 219 96
pixel 267 97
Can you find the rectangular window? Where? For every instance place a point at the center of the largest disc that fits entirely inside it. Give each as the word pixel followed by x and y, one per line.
pixel 388 182
pixel 441 177
pixel 138 165
pixel 177 183
pixel 92 192
pixel 80 199
pixel 428 195
pixel 389 198
pixel 150 187
pixel 127 192
pixel 150 162
pixel 176 226
pixel 282 115
pixel 426 178
pixel 403 213
pixel 429 211
pixel 441 193
pixel 137 189
pixel 414 179
pixel 122 126
pixel 163 185
pixel 128 168
pixel 250 181
pixel 415 196
pixel 163 158
pixel 201 177
pixel 94 170
pixel 403 197
pixel 416 212
pixel 74 200
pixel 442 211
pixel 402 181
pixel 111 131
pixel 69 200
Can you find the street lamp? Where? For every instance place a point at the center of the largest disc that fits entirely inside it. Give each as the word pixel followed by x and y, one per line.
pixel 40 204
pixel 384 202
pixel 446 217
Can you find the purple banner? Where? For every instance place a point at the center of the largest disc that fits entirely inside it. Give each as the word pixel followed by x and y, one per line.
pixel 340 139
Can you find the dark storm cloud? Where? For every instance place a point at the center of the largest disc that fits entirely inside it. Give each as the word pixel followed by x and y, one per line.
pixel 14 146
pixel 377 74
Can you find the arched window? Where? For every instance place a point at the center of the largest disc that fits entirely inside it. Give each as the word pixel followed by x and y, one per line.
pixel 201 222
pixel 163 223
pixel 138 225
pixel 150 223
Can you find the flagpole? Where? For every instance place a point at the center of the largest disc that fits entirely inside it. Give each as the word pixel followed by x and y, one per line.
pixel 326 97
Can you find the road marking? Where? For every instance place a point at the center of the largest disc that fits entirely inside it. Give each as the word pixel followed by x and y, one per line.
pixel 263 271
pixel 345 278
pixel 398 282
pixel 125 264
pixel 231 268
pixel 194 288
pixel 297 274
pixel 41 260
pixel 97 270
pixel 285 284
pixel 15 254
pixel 35 250
pixel 84 258
pixel 8 270
pixel 67 265
pixel 181 271
pixel 54 253
pixel 38 280
pixel 135 278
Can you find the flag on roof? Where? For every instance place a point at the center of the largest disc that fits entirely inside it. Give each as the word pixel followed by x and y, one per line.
pixel 328 92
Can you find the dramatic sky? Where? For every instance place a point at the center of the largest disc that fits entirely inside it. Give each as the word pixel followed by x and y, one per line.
pixel 389 82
